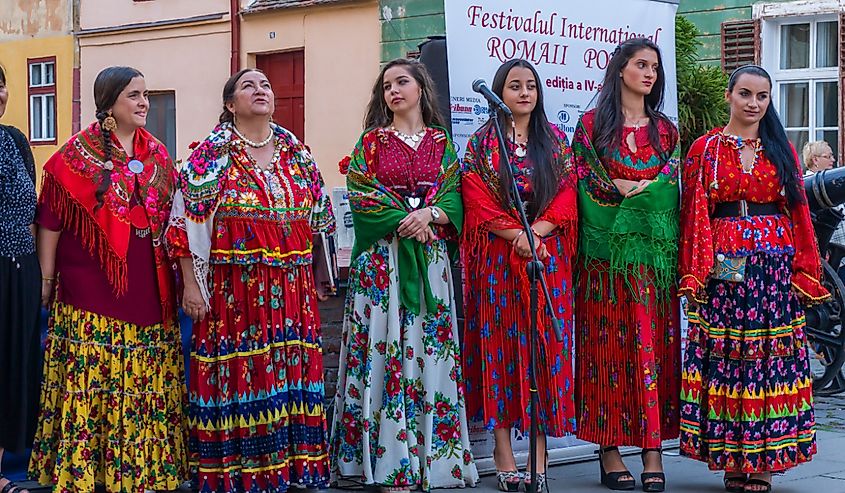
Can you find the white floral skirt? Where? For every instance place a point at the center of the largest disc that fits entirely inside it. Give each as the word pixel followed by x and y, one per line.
pixel 400 416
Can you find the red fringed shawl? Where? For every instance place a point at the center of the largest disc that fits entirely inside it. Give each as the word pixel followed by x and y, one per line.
pixel 71 178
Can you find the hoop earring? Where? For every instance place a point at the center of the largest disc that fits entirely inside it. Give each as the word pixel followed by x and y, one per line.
pixel 109 123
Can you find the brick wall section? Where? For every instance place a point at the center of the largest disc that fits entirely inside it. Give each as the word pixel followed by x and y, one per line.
pixel 331 317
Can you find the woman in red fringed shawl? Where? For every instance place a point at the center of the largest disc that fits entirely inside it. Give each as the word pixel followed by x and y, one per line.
pixel 495 252
pixel 113 395
pixel 748 262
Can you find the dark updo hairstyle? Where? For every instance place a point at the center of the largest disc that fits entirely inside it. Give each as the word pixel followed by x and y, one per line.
pixel 545 175
pixel 379 114
pixel 229 89
pixel 108 85
pixel 2 75
pixel 776 145
pixel 609 120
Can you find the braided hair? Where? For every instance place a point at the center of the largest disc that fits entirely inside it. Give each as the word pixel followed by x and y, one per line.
pixel 109 84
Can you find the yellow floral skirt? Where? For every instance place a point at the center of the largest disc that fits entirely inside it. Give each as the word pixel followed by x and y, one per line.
pixel 112 406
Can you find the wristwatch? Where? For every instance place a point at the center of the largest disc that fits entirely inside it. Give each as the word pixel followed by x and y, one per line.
pixel 435 214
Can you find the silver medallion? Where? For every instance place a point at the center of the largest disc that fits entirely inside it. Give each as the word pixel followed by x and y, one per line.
pixel 136 166
pixel 414 202
pixel 521 151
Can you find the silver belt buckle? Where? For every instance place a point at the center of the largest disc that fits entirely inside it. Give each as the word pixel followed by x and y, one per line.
pixel 743 208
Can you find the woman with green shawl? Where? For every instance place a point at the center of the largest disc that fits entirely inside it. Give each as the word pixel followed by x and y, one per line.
pixel 627 318
pixel 400 419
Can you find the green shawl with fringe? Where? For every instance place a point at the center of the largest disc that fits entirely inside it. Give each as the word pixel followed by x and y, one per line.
pixel 377 211
pixel 634 237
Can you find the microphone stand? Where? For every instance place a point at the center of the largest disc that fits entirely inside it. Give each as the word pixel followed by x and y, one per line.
pixel 534 269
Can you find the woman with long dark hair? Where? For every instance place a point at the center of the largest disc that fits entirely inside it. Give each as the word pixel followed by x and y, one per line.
pixel 627 313
pixel 246 226
pixel 495 251
pixel 400 418
pixel 113 394
pixel 748 262
pixel 20 289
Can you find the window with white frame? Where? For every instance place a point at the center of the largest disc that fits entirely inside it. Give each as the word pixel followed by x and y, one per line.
pixel 42 100
pixel 805 72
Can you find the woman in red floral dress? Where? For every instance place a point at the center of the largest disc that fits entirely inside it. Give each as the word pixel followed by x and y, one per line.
pixel 495 253
pixel 250 201
pixel 627 314
pixel 748 261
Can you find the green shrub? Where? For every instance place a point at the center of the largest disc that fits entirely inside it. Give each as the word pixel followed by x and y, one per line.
pixel 701 88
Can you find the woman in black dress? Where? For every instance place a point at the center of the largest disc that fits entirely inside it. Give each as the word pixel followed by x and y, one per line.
pixel 20 293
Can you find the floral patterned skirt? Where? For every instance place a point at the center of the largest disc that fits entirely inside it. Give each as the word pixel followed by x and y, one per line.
pixel 400 418
pixel 256 385
pixel 112 406
pixel 747 402
pixel 627 361
pixel 496 341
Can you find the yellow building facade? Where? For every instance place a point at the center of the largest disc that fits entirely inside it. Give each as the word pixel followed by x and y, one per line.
pixel 39 56
pixel 16 57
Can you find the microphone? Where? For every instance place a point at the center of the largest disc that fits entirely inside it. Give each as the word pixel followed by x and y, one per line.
pixel 480 86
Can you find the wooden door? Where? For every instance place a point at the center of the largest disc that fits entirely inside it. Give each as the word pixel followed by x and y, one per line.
pixel 286 72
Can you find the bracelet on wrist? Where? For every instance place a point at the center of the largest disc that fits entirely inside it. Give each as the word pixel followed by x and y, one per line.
pixel 51 279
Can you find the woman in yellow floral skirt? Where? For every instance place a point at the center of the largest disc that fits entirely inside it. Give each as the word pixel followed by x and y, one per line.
pixel 113 395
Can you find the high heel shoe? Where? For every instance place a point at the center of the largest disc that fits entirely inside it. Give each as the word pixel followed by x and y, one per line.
pixel 542 483
pixel 613 480
pixel 658 479
pixel 508 480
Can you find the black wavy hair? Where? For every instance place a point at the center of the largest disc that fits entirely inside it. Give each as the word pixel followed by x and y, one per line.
pixel 545 176
pixel 108 85
pixel 776 145
pixel 609 119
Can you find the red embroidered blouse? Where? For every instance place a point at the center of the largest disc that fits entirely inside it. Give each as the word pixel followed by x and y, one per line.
pixel 713 174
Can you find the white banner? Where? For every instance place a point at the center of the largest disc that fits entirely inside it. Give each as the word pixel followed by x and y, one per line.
pixel 569 42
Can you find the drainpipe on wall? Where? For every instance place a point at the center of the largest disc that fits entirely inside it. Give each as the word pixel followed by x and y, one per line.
pixel 235 64
pixel 76 96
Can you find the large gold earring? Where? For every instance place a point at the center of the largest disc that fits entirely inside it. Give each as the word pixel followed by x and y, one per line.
pixel 109 124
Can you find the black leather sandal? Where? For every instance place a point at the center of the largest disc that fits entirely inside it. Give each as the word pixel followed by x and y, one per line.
pixel 757 482
pixel 11 486
pixel 735 484
pixel 658 479
pixel 613 480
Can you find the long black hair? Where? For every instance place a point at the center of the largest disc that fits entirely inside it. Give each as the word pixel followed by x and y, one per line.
pixel 776 145
pixel 379 114
pixel 609 119
pixel 545 176
pixel 108 85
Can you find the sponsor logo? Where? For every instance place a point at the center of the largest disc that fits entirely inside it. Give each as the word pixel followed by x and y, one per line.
pixel 563 116
pixel 480 110
pixel 460 108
